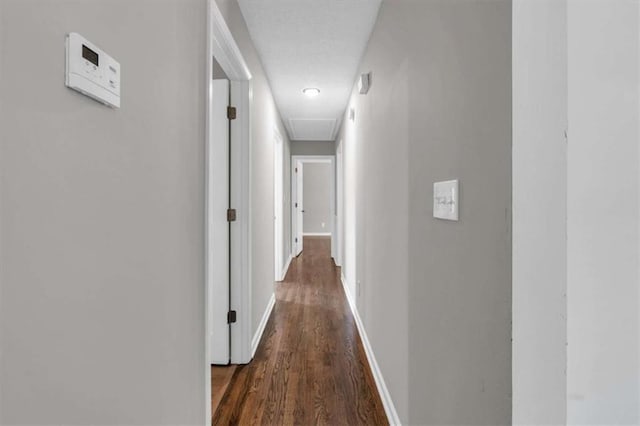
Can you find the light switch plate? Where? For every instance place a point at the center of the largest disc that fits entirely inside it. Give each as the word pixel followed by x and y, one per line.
pixel 445 200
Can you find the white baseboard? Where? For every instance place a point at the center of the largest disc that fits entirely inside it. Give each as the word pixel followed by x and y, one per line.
pixel 316 234
pixel 387 402
pixel 263 323
pixel 283 274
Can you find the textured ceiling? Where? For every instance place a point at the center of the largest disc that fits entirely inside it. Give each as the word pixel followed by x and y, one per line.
pixel 310 43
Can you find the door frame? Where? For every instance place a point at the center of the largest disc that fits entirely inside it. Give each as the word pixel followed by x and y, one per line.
pixel 339 216
pixel 278 205
pixel 294 188
pixel 222 46
pixel 296 176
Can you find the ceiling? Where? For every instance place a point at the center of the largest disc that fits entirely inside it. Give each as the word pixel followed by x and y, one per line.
pixel 310 43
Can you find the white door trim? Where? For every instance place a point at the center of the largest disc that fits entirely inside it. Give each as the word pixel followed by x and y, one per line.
pixel 222 47
pixel 278 204
pixel 297 172
pixel 241 240
pixel 339 216
pixel 294 223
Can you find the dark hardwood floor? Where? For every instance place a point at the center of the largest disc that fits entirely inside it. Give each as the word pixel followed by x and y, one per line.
pixel 310 367
pixel 220 379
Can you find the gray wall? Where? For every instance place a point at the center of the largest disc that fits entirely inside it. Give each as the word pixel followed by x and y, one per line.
pixel 313 148
pixel 264 119
pixel 539 211
pixel 439 108
pixel 317 198
pixel 102 217
pixel 217 71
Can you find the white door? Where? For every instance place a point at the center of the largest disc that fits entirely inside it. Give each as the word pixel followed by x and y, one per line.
pixel 278 201
pixel 218 227
pixel 299 208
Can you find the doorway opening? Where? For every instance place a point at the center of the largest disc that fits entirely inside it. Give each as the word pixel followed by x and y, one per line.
pixel 227 305
pixel 313 200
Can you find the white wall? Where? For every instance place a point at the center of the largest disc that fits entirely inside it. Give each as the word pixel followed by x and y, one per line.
pixel 264 118
pixel 317 198
pixel 603 382
pixel 539 211
pixel 2 126
pixel 594 83
pixel 102 217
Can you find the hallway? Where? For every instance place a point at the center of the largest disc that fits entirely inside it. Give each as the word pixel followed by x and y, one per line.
pixel 484 212
pixel 310 367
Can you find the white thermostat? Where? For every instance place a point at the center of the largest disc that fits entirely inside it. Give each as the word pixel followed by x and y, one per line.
pixel 91 71
pixel 445 200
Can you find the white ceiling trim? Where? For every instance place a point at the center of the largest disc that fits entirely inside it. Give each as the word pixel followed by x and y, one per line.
pixel 312 129
pixel 224 47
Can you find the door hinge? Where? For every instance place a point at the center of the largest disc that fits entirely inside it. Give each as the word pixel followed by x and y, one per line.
pixel 231 317
pixel 231 215
pixel 296 205
pixel 231 113
pixel 296 240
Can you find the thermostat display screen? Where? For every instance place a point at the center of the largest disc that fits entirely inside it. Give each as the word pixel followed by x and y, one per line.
pixel 90 55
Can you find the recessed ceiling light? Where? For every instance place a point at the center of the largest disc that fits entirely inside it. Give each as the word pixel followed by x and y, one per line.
pixel 311 92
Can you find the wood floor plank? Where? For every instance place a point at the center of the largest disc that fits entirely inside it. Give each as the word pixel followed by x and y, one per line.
pixel 310 367
pixel 220 379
